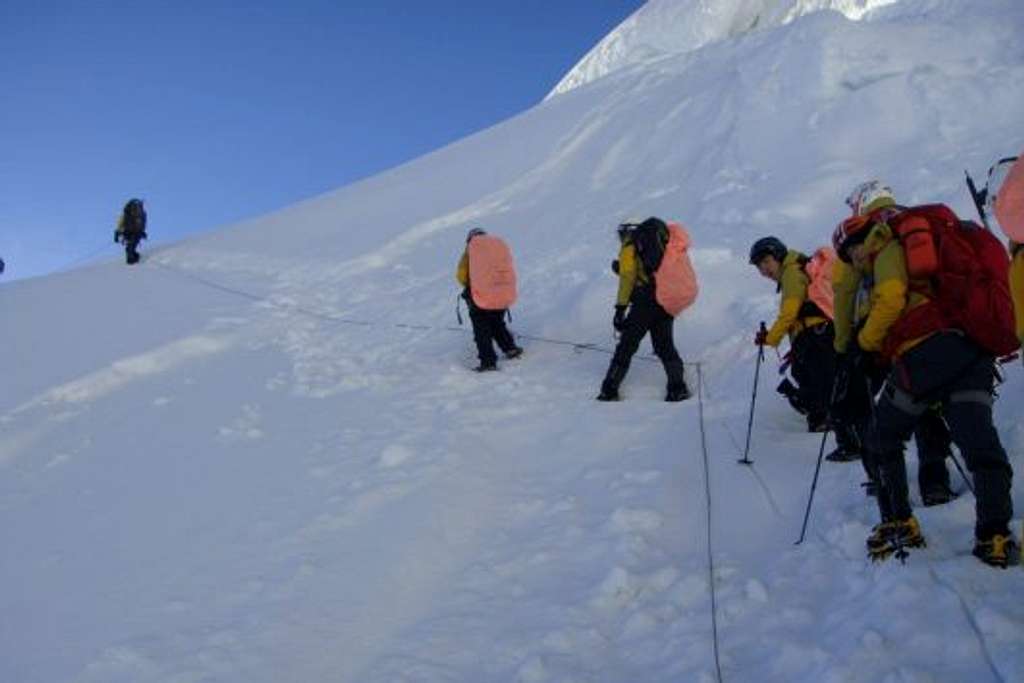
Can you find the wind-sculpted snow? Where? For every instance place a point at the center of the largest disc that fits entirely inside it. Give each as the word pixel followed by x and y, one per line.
pixel 260 455
pixel 666 27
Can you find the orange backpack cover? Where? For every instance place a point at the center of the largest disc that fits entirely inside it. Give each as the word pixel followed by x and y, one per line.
pixel 819 270
pixel 492 273
pixel 1009 202
pixel 675 282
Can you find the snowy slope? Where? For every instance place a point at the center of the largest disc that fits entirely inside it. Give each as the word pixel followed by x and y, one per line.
pixel 667 27
pixel 260 455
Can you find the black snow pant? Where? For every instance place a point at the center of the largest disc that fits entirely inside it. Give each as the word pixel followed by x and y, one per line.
pixel 489 327
pixel 933 448
pixel 645 315
pixel 814 367
pixel 931 434
pixel 950 369
pixel 131 248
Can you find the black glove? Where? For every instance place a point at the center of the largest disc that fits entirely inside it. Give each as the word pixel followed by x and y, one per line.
pixel 615 266
pixel 619 320
pixel 116 236
pixel 144 236
pixel 761 337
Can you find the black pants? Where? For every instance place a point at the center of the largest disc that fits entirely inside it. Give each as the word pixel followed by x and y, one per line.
pixel 131 246
pixel 931 434
pixel 646 315
pixel 489 327
pixel 814 367
pixel 950 369
pixel 933 449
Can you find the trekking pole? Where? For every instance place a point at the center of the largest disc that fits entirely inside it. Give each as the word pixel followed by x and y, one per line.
pixel 817 467
pixel 963 474
pixel 763 330
pixel 814 485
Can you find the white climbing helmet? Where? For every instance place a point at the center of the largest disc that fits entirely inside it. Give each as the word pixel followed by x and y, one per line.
pixel 865 195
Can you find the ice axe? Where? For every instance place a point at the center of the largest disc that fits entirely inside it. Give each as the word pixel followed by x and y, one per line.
pixel 979 197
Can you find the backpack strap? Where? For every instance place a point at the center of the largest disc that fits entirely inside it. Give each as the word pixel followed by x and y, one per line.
pixel 809 309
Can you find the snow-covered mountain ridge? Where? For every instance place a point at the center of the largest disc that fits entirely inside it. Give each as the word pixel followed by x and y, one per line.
pixel 261 456
pixel 665 27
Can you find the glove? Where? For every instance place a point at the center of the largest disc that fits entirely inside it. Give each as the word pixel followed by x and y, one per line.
pixel 761 337
pixel 116 236
pixel 615 266
pixel 619 320
pixel 144 236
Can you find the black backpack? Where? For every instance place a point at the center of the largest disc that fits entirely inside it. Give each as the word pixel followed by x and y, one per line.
pixel 649 239
pixel 134 218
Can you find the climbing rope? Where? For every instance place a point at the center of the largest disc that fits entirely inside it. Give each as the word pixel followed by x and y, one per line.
pixel 710 547
pixel 579 347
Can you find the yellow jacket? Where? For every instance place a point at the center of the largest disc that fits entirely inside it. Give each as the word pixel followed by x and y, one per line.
pixel 631 273
pixel 121 228
pixel 1017 287
pixel 892 292
pixel 793 286
pixel 462 271
pixel 845 283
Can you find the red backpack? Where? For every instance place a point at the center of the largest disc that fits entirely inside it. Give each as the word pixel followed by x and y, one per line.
pixel 492 273
pixel 675 282
pixel 967 268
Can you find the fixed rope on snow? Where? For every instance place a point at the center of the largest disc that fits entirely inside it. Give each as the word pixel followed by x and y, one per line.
pixel 707 492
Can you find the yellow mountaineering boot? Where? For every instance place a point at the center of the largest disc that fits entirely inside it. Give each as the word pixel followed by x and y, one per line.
pixel 894 537
pixel 998 550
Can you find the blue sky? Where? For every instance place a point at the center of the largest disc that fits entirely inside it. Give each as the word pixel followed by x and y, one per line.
pixel 218 111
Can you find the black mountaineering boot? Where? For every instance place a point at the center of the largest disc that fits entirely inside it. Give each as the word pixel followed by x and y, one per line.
pixel 610 385
pixel 792 394
pixel 937 493
pixel 677 389
pixel 842 454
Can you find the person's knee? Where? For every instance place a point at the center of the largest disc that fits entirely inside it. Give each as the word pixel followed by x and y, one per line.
pixel 971 425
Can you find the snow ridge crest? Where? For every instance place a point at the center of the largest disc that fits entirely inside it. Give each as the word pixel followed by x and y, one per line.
pixel 663 27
